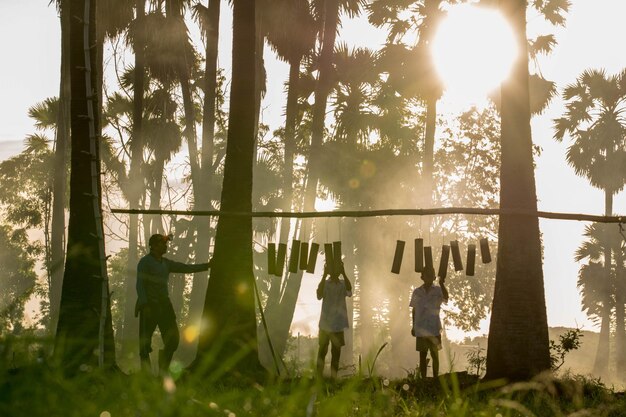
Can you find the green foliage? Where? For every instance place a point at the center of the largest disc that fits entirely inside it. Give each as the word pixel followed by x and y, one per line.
pixel 18 280
pixel 477 360
pixel 92 392
pixel 568 341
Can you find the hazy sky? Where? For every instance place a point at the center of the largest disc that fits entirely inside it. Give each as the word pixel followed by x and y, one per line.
pixel 593 38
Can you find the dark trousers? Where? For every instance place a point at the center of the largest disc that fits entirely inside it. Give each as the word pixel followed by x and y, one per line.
pixel 163 316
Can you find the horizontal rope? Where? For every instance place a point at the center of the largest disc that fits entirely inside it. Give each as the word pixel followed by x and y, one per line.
pixel 386 212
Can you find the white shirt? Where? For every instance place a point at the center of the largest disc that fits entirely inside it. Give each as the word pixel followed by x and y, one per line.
pixel 334 317
pixel 426 305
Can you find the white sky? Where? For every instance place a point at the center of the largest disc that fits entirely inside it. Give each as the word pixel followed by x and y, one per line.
pixel 593 38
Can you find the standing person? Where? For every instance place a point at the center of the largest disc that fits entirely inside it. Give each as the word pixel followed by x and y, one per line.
pixel 153 302
pixel 426 302
pixel 334 317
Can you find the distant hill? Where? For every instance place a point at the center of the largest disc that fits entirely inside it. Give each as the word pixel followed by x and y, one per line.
pixel 10 148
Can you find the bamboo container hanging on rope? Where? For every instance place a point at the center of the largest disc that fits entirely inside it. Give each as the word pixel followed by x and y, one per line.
pixel 294 259
pixel 271 259
pixel 328 257
pixel 310 268
pixel 471 260
pixel 456 255
pixel 397 257
pixel 338 265
pixel 280 259
pixel 428 258
pixel 419 255
pixel 443 262
pixel 484 250
pixel 304 255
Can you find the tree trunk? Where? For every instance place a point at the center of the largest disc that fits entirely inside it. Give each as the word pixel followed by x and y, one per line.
pixel 620 320
pixel 518 336
pixel 84 319
pixel 601 364
pixel 57 243
pixel 322 89
pixel 135 187
pixel 203 224
pixel 229 308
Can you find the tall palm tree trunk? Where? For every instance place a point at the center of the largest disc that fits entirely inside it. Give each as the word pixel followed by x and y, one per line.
pixel 57 241
pixel 229 306
pixel 135 189
pixel 518 334
pixel 208 138
pixel 601 363
pixel 84 319
pixel 322 89
pixel 620 319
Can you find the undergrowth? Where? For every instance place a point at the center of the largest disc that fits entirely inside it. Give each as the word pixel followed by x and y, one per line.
pixel 38 390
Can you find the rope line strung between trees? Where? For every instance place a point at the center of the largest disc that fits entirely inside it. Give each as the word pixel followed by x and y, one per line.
pixel 385 212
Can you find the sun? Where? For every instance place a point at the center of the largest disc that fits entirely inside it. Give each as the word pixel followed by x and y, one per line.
pixel 473 50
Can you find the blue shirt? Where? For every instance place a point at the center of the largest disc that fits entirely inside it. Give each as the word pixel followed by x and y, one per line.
pixel 153 277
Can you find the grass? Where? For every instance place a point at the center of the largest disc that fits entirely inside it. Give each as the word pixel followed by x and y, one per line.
pixel 37 390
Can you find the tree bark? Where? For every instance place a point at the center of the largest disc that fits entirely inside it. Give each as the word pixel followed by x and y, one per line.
pixel 84 320
pixel 57 243
pixel 129 336
pixel 518 346
pixel 229 309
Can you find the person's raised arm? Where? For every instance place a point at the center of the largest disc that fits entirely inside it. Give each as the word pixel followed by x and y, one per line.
pixel 444 290
pixel 179 267
pixel 320 286
pixel 346 281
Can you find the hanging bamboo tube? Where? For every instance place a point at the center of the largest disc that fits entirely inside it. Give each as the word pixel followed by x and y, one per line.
pixel 294 259
pixel 419 255
pixel 471 260
pixel 338 265
pixel 456 255
pixel 280 259
pixel 328 256
pixel 397 257
pixel 304 255
pixel 443 262
pixel 428 258
pixel 271 258
pixel 310 268
pixel 484 250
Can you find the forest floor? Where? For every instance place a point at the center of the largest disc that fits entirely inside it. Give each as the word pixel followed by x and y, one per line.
pixel 40 391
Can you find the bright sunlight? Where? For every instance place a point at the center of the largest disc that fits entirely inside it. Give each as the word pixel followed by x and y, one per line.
pixel 473 51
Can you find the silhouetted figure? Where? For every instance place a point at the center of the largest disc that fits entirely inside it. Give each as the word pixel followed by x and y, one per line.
pixel 426 303
pixel 153 302
pixel 334 317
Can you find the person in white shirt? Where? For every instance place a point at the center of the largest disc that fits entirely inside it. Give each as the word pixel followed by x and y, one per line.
pixel 426 303
pixel 334 317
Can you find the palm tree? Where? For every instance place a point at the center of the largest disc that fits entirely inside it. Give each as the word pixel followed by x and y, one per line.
pixel 518 333
pixel 84 319
pixel 594 120
pixel 229 308
pixel 62 137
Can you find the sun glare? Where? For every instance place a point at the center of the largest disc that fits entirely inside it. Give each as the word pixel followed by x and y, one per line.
pixel 473 50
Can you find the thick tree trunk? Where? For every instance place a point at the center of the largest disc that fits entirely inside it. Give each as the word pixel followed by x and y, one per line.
pixel 57 243
pixel 84 321
pixel 518 335
pixel 229 308
pixel 620 319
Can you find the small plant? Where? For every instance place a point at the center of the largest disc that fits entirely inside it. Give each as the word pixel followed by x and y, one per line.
pixel 477 360
pixel 568 341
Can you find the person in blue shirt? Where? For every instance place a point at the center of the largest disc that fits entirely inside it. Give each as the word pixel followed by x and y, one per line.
pixel 426 303
pixel 153 306
pixel 334 317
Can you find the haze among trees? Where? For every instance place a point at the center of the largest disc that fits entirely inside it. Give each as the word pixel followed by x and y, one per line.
pixel 173 128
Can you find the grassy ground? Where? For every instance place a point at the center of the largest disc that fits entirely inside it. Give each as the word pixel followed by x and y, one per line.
pixel 39 391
